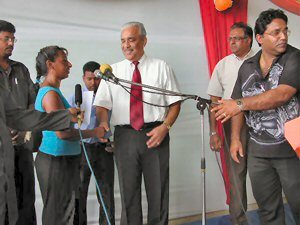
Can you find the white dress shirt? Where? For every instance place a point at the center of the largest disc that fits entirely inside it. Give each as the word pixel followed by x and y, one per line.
pixel 154 72
pixel 225 74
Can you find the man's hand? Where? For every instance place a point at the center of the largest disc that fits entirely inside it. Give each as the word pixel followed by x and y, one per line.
pixel 236 150
pixel 157 135
pixel 17 137
pixel 226 110
pixel 215 142
pixel 100 132
pixel 106 128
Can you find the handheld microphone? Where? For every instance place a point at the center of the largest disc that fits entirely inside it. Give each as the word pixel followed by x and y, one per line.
pixel 78 101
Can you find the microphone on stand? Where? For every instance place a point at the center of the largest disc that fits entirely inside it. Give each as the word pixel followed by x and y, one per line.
pixel 78 101
pixel 98 74
pixel 105 73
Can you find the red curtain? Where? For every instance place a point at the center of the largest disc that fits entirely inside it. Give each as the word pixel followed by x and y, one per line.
pixel 216 27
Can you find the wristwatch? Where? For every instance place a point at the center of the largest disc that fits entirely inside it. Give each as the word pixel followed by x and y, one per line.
pixel 240 104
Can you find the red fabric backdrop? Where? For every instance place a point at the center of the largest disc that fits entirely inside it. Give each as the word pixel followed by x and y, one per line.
pixel 216 27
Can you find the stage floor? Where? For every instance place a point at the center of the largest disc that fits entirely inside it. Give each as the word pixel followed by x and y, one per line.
pixel 252 219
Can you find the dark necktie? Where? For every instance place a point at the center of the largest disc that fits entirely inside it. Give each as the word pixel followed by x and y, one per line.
pixel 136 97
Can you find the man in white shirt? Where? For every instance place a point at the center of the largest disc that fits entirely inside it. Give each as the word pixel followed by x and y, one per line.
pixel 141 148
pixel 220 86
pixel 100 159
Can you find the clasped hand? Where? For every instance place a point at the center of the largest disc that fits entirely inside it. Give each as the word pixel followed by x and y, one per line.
pixel 225 110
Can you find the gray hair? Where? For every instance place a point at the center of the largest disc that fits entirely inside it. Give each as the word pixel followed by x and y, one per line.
pixel 133 24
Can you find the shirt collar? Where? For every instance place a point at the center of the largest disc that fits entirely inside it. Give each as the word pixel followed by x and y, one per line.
pixel 248 55
pixel 141 60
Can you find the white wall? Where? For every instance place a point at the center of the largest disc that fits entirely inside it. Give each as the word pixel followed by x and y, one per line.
pixel 90 31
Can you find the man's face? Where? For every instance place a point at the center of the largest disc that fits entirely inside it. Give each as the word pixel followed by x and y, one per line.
pixel 275 38
pixel 132 43
pixel 7 41
pixel 91 81
pixel 238 42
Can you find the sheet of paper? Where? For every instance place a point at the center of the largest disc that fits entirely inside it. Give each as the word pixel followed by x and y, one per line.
pixel 292 134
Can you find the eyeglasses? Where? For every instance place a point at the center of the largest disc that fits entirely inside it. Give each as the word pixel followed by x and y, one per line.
pixel 276 33
pixel 236 38
pixel 8 39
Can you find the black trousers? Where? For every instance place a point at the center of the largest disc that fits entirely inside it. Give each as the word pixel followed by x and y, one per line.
pixel 25 185
pixel 102 163
pixel 269 176
pixel 59 179
pixel 135 160
pixel 237 176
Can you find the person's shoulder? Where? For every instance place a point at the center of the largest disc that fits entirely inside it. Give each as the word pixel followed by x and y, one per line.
pixel 249 64
pixel 20 70
pixel 226 59
pixel 46 89
pixel 119 64
pixel 293 52
pixel 14 63
pixel 253 58
pixel 290 59
pixel 156 61
pixel 153 59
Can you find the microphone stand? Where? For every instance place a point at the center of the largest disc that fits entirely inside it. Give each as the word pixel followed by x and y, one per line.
pixel 201 106
pixel 116 80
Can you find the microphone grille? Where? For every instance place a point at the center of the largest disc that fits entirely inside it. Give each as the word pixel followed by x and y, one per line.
pixel 97 73
pixel 78 94
pixel 105 67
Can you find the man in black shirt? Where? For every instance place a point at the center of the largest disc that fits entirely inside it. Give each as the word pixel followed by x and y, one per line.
pixel 15 76
pixel 267 90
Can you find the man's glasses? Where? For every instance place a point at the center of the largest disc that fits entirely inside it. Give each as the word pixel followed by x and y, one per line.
pixel 236 38
pixel 8 39
pixel 276 33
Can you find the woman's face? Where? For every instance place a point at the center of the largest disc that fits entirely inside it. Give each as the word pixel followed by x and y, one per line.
pixel 61 65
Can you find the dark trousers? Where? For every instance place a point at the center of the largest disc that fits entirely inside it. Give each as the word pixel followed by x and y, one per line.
pixel 25 185
pixel 135 160
pixel 102 163
pixel 237 176
pixel 269 176
pixel 59 179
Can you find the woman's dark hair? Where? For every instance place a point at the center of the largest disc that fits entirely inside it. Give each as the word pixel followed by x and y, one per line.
pixel 47 53
pixel 265 18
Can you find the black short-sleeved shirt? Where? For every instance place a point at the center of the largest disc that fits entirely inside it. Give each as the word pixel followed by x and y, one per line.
pixel 267 126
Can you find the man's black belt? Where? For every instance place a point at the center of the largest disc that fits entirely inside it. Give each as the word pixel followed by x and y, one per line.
pixel 144 127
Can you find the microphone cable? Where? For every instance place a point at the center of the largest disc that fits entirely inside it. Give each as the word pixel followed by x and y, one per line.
pixel 93 175
pixel 126 88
